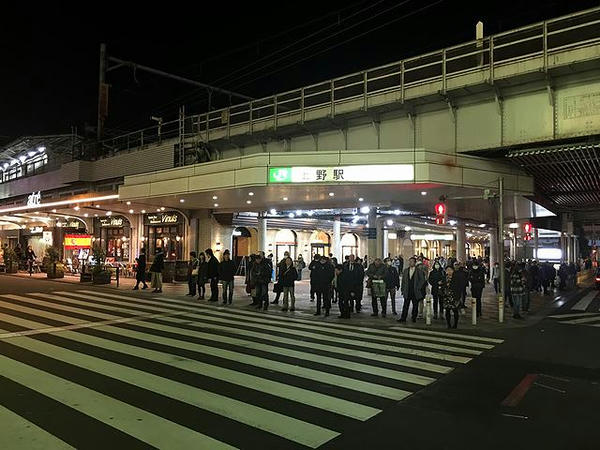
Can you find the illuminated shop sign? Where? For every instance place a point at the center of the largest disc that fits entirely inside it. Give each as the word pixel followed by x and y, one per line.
pixel 342 174
pixel 166 218
pixel 114 221
pixel 35 199
pixel 77 241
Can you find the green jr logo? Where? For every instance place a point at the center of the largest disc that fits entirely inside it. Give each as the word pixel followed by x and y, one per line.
pixel 280 175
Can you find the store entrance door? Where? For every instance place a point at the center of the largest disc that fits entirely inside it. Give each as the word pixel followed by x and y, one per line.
pixel 280 250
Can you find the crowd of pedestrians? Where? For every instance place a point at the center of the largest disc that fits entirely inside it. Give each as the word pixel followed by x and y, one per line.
pixel 331 282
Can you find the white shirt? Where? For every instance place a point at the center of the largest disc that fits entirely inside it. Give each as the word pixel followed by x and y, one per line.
pixel 411 271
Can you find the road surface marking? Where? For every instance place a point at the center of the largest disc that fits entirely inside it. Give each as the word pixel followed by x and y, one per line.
pixel 568 316
pixel 517 394
pixel 18 432
pixel 147 427
pixel 583 304
pixel 289 428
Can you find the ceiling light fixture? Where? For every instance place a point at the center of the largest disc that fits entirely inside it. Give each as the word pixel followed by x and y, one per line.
pixel 215 197
pixel 284 199
pixel 423 192
pixel 131 211
pixel 250 194
pixel 181 200
pixel 331 194
pixel 248 201
pixel 128 203
pixel 272 211
pixel 216 205
pixel 360 199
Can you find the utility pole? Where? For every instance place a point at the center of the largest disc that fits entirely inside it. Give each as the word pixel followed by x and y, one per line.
pixel 501 299
pixel 102 92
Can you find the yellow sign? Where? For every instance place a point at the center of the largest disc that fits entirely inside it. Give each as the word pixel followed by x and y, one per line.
pixel 73 241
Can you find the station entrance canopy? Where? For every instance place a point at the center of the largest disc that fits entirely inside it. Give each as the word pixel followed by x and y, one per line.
pixel 407 179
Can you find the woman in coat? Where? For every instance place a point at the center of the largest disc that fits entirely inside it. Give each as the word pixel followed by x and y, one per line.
pixel 287 278
pixel 202 275
pixel 140 274
pixel 156 269
pixel 451 290
pixel 436 279
pixel 477 280
pixel 192 274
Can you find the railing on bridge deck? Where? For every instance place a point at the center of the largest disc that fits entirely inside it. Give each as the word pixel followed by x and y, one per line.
pixel 538 40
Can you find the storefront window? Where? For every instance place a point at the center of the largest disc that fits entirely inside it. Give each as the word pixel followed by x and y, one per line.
pixel 165 231
pixel 113 234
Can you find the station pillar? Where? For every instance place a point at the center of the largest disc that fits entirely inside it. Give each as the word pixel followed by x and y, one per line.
pixel 372 235
pixel 461 253
pixel 337 239
pixel 262 233
pixel 493 236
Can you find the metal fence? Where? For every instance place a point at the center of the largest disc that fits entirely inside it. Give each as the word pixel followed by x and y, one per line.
pixel 542 39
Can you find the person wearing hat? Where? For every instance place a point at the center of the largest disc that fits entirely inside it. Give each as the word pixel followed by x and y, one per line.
pixel 226 274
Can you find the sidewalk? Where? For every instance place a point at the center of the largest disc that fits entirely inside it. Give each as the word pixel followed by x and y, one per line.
pixel 540 305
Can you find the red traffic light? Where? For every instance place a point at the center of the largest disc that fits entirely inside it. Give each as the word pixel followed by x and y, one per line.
pixel 440 209
pixel 440 220
pixel 527 237
pixel 527 227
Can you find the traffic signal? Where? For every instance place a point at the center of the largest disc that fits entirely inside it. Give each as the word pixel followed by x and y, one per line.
pixel 440 214
pixel 527 228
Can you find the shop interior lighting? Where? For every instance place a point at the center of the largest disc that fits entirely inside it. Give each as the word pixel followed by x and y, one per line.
pixel 513 225
pixel 85 215
pixel 215 197
pixel 482 225
pixel 284 199
pixel 95 215
pixel 128 203
pixel 310 213
pixel 143 211
pixel 407 228
pixel 390 222
pixel 77 208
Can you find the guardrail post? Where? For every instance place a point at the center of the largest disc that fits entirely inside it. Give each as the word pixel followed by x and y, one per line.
pixel 473 311
pixel 500 308
pixel 275 110
pixel 545 50
pixel 332 96
pixel 428 309
pixel 444 85
pixel 491 59
pixel 365 88
pixel 250 124
pixel 401 81
pixel 302 106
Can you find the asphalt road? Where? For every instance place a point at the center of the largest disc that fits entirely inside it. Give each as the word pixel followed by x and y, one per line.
pixel 84 367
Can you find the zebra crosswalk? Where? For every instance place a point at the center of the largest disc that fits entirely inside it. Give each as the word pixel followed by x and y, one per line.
pixel 136 372
pixel 589 311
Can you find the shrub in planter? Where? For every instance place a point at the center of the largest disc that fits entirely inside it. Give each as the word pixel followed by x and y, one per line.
pixel 100 273
pixel 11 261
pixel 53 266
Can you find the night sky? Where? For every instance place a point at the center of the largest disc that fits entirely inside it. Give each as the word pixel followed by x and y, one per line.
pixel 49 68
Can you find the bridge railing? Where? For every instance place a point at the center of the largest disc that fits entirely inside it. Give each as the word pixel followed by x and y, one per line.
pixel 490 53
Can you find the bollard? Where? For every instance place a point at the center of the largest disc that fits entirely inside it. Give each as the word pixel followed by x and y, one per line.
pixel 428 309
pixel 117 276
pixel 500 309
pixel 473 311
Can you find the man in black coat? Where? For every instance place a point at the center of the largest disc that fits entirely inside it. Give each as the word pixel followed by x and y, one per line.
pixel 392 284
pixel 356 272
pixel 278 288
pixel 212 273
pixel 260 274
pixel 321 277
pixel 345 286
pixel 226 274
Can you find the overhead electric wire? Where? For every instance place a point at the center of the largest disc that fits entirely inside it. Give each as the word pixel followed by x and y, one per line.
pixel 201 95
pixel 312 55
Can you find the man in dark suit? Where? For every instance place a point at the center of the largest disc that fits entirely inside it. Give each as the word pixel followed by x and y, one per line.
pixel 413 282
pixel 356 273
pixel 212 273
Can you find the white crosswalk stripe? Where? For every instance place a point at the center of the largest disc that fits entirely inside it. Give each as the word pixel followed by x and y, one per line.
pixel 270 378
pixel 589 315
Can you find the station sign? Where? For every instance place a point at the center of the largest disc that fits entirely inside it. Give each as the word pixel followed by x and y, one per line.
pixel 343 174
pixel 166 218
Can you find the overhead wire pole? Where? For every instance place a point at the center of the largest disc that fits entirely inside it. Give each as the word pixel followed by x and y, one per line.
pixel 162 73
pixel 102 92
